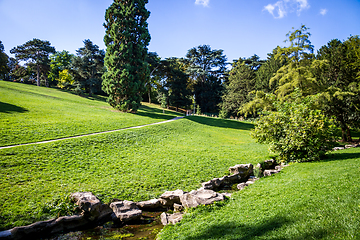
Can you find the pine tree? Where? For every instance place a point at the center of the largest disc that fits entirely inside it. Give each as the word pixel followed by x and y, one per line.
pixel 126 39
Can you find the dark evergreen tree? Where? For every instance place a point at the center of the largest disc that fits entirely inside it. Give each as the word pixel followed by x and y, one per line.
pixel 37 52
pixel 207 67
pixel 87 67
pixel 126 39
pixel 4 60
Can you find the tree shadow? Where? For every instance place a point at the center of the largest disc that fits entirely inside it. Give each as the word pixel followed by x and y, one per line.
pixel 234 231
pixel 339 155
pixel 155 113
pixel 9 108
pixel 222 123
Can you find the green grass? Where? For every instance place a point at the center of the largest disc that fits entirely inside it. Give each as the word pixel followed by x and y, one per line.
pixel 137 164
pixel 317 200
pixel 29 114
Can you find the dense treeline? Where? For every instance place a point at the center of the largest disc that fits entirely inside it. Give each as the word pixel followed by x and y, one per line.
pixel 203 77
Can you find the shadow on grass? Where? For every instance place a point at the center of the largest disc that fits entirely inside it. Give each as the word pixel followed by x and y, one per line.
pixel 155 113
pixel 247 232
pixel 9 108
pixel 222 123
pixel 339 155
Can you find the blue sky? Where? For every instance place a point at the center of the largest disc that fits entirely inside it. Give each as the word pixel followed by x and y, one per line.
pixel 241 28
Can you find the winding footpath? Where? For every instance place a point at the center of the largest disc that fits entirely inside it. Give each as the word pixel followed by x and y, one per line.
pixel 90 134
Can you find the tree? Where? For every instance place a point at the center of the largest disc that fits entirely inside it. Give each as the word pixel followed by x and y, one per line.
pixel 177 83
pixel 339 86
pixel 4 60
pixel 37 52
pixel 296 131
pixel 298 57
pixel 87 67
pixel 207 67
pixel 58 63
pixel 155 66
pixel 240 83
pixel 126 39
pixel 65 79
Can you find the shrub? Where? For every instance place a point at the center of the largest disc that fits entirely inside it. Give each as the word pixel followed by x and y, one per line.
pixel 296 131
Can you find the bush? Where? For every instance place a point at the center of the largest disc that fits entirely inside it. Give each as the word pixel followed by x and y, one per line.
pixel 296 131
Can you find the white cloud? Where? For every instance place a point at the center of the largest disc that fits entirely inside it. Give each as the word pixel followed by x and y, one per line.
pixel 282 7
pixel 205 3
pixel 323 11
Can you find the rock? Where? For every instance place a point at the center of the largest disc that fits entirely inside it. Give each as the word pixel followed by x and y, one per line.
pixel 88 203
pixel 178 207
pixel 170 197
pixel 125 211
pixel 270 172
pixel 150 204
pixel 170 218
pixel 241 186
pixel 200 197
pixel 45 228
pixel 338 148
pixel 244 170
pixel 278 168
pixel 213 184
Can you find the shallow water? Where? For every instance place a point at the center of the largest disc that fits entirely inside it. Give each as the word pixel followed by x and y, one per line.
pixel 149 226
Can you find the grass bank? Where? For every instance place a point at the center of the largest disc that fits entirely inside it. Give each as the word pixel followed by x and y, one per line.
pixel 137 164
pixel 317 200
pixel 29 113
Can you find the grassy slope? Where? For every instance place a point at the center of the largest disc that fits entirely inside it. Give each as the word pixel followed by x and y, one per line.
pixel 29 113
pixel 319 200
pixel 136 164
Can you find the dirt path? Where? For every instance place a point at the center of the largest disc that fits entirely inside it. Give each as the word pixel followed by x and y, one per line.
pixel 91 134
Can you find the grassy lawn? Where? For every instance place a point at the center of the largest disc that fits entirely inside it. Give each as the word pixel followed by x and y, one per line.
pixel 29 114
pixel 137 164
pixel 318 200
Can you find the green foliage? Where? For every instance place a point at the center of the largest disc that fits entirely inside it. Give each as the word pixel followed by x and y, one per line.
pixel 126 40
pixel 60 206
pixel 198 110
pixel 65 79
pixel 4 60
pixel 87 68
pixel 59 62
pixel 37 52
pixel 207 68
pixel 296 131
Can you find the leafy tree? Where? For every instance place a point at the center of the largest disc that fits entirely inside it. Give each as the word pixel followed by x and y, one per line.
pixel 177 83
pixel 126 39
pixel 298 57
pixel 207 67
pixel 65 79
pixel 58 63
pixel 295 131
pixel 4 60
pixel 339 86
pixel 155 66
pixel 87 67
pixel 37 52
pixel 240 83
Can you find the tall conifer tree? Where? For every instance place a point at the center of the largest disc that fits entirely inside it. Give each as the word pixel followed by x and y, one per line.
pixel 126 39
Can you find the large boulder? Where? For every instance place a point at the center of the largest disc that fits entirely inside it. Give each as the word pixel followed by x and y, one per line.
pixel 270 172
pixel 244 170
pixel 168 198
pixel 125 211
pixel 200 197
pixel 171 218
pixel 88 203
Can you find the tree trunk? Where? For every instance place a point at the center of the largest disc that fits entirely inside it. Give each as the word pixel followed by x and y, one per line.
pixel 149 95
pixel 345 132
pixel 37 75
